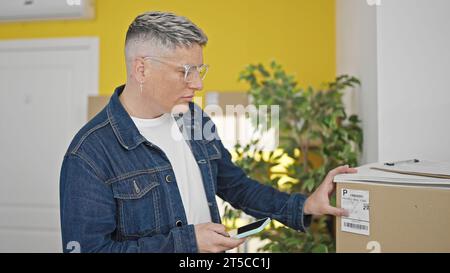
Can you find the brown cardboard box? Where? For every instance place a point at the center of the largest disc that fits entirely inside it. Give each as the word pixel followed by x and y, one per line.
pixel 402 218
pixel 96 104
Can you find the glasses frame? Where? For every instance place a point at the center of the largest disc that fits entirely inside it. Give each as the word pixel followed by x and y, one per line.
pixel 187 67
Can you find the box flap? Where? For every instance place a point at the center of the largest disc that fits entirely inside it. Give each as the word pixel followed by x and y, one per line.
pixel 367 174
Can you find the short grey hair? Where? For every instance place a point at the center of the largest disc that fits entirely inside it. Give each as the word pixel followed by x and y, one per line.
pixel 162 30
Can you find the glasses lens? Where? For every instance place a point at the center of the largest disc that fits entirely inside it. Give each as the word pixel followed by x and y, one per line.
pixel 202 71
pixel 193 70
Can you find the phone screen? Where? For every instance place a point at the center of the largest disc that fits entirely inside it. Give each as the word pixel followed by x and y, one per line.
pixel 251 226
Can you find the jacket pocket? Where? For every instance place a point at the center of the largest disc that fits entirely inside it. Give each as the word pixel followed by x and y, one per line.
pixel 138 200
pixel 213 156
pixel 212 150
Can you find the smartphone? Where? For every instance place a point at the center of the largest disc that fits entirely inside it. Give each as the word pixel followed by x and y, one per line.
pixel 249 229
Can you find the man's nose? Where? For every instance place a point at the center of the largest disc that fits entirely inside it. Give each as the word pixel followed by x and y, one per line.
pixel 197 83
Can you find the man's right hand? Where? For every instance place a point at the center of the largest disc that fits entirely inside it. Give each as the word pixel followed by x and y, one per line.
pixel 213 238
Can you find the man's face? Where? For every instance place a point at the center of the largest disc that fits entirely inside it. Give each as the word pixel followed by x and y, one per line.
pixel 165 85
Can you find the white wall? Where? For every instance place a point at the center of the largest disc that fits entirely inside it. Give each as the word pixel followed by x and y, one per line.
pixel 413 74
pixel 356 53
pixel 400 51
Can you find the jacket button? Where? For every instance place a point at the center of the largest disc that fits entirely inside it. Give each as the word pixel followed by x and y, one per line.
pixel 179 223
pixel 168 178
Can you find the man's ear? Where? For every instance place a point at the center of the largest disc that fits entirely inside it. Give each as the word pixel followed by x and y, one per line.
pixel 140 72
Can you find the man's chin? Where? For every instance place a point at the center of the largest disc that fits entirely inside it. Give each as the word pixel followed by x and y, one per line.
pixel 180 108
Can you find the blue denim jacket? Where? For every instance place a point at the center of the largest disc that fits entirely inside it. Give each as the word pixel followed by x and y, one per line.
pixel 118 192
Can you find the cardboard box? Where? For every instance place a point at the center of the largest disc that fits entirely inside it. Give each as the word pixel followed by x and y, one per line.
pixel 96 104
pixel 401 218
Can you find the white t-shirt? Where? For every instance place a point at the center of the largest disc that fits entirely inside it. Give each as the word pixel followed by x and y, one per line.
pixel 164 133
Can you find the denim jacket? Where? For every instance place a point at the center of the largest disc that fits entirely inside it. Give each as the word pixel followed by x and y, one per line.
pixel 118 191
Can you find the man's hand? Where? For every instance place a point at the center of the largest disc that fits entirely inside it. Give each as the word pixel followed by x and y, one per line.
pixel 319 201
pixel 213 238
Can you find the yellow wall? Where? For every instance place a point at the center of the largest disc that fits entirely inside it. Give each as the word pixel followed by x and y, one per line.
pixel 299 34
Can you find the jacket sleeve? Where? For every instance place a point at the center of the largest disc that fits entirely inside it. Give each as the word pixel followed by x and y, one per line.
pixel 88 216
pixel 256 199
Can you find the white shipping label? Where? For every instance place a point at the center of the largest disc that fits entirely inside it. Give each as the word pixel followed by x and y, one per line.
pixel 357 204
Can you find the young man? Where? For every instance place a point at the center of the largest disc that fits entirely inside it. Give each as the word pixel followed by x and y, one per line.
pixel 131 183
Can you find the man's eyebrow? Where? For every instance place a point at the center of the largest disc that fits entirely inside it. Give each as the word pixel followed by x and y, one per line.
pixel 196 65
pixel 190 63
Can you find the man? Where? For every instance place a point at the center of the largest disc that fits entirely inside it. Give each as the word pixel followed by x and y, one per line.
pixel 131 183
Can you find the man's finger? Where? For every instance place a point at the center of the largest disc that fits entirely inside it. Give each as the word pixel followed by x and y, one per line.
pixel 336 211
pixel 230 243
pixel 340 170
pixel 218 228
pixel 334 172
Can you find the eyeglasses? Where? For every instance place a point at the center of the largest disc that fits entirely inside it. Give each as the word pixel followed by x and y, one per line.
pixel 189 70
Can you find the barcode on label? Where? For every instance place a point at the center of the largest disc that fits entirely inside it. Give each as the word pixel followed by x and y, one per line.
pixel 356 226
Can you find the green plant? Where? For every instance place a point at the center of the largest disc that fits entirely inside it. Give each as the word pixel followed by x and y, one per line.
pixel 315 136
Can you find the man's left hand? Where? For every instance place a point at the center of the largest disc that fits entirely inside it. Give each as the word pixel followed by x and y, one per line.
pixel 318 203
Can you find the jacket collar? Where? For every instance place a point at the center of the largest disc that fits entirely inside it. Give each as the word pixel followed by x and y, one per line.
pixel 123 126
pixel 128 134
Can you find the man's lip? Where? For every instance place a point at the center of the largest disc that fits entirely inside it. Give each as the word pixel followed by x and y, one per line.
pixel 188 97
